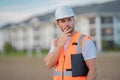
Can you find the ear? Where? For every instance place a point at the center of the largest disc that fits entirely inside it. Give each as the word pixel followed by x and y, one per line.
pixel 73 18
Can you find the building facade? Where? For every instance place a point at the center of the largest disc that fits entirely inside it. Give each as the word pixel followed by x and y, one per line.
pixel 104 28
pixel 100 21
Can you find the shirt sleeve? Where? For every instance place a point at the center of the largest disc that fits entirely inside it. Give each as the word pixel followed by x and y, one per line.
pixel 52 46
pixel 89 50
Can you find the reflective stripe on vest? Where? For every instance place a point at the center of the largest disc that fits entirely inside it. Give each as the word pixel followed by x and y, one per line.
pixel 79 50
pixel 59 73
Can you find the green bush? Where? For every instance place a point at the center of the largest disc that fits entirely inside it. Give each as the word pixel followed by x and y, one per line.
pixel 8 47
pixel 110 46
pixel 45 51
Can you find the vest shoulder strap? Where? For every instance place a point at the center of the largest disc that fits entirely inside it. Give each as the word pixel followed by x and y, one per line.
pixel 81 42
pixel 79 47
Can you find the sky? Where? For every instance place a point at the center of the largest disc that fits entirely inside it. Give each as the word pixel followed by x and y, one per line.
pixel 18 10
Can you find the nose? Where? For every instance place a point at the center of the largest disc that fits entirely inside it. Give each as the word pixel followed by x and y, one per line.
pixel 67 23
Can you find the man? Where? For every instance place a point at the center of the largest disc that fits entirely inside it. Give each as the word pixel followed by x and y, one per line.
pixel 63 48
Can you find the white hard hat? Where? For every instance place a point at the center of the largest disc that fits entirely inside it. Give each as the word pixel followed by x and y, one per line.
pixel 63 12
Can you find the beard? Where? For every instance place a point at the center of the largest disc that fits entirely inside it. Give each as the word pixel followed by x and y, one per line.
pixel 68 27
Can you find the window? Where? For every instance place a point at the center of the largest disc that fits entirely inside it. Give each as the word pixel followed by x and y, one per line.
pixel 36 37
pixel 106 20
pixel 24 37
pixel 107 44
pixel 24 29
pixel 92 20
pixel 36 28
pixel 107 31
pixel 92 32
pixel 118 18
pixel 118 31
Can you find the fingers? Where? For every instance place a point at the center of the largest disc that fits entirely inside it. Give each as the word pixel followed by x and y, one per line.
pixel 68 35
pixel 67 30
pixel 65 35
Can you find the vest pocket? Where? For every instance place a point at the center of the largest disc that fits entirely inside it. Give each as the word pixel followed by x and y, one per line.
pixel 79 67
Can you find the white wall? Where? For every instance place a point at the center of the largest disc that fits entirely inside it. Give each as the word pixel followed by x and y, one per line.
pixel 1 41
pixel 49 35
pixel 117 29
pixel 98 34
pixel 29 41
pixel 20 41
pixel 82 25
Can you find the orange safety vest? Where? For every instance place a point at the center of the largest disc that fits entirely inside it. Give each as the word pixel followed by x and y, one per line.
pixel 64 60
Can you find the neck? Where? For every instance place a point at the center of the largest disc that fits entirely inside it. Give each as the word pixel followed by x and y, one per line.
pixel 74 32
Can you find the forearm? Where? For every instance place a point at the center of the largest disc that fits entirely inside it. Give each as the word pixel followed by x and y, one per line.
pixel 51 58
pixel 92 75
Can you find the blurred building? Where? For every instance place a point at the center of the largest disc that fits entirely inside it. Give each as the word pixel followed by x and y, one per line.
pixel 101 21
pixel 1 41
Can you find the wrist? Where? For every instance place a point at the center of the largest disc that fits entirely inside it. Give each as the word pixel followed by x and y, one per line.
pixel 59 46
